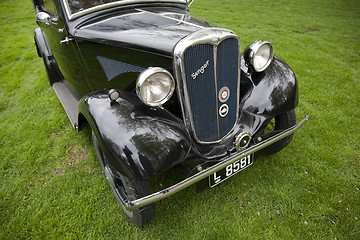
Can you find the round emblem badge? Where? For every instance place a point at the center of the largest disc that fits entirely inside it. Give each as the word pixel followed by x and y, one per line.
pixel 223 110
pixel 224 94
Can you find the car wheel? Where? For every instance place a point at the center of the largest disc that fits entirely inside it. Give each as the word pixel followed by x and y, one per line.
pixel 276 124
pixel 133 189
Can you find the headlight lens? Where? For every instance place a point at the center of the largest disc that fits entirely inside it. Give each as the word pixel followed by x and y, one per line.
pixel 259 54
pixel 155 86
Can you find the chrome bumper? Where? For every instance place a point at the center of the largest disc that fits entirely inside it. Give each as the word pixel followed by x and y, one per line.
pixel 131 205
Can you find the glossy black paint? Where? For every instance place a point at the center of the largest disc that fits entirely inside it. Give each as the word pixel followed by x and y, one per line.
pixel 139 141
pixel 108 50
pixel 263 96
pixel 142 37
pixel 131 27
pixel 270 93
pixel 45 53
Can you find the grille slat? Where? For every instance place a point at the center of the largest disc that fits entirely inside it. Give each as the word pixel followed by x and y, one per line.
pixel 200 86
pixel 227 76
pixel 207 62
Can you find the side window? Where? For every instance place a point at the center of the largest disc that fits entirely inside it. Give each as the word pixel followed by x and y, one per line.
pixel 48 6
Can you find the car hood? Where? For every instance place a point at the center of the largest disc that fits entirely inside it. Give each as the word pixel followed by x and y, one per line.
pixel 153 29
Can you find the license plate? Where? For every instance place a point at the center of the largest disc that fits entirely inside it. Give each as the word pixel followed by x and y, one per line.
pixel 230 170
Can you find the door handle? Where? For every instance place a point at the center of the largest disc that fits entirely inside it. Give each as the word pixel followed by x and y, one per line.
pixel 66 40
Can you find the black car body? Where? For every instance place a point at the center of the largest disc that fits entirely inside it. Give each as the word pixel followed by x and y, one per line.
pixel 160 88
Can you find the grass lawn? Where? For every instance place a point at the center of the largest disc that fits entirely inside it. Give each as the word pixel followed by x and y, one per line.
pixel 52 187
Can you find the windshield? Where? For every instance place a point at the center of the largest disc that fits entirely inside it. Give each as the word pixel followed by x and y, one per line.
pixel 79 5
pixel 76 8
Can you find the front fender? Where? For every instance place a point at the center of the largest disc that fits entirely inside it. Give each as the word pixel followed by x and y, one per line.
pixel 270 93
pixel 138 141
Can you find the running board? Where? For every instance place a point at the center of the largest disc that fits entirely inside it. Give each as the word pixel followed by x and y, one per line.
pixel 69 99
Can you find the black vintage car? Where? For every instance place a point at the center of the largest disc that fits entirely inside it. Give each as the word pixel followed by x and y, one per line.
pixel 161 88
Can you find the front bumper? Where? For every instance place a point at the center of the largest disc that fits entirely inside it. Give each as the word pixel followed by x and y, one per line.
pixel 140 202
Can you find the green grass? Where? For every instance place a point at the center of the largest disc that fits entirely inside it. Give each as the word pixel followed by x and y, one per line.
pixel 52 186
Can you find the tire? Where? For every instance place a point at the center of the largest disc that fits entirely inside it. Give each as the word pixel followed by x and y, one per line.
pixel 133 189
pixel 278 123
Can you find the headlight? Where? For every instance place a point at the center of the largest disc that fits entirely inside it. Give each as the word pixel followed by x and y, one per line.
pixel 259 54
pixel 155 86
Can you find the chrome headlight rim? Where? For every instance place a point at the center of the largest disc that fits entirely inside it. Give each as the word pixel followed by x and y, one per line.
pixel 251 52
pixel 144 76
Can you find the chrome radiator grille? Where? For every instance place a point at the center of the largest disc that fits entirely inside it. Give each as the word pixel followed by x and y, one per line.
pixel 207 65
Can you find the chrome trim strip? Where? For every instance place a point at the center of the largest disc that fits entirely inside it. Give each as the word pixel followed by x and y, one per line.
pixel 131 205
pixel 112 4
pixel 213 36
pixel 215 49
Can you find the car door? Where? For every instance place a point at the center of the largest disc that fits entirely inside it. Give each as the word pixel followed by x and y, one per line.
pixel 63 46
